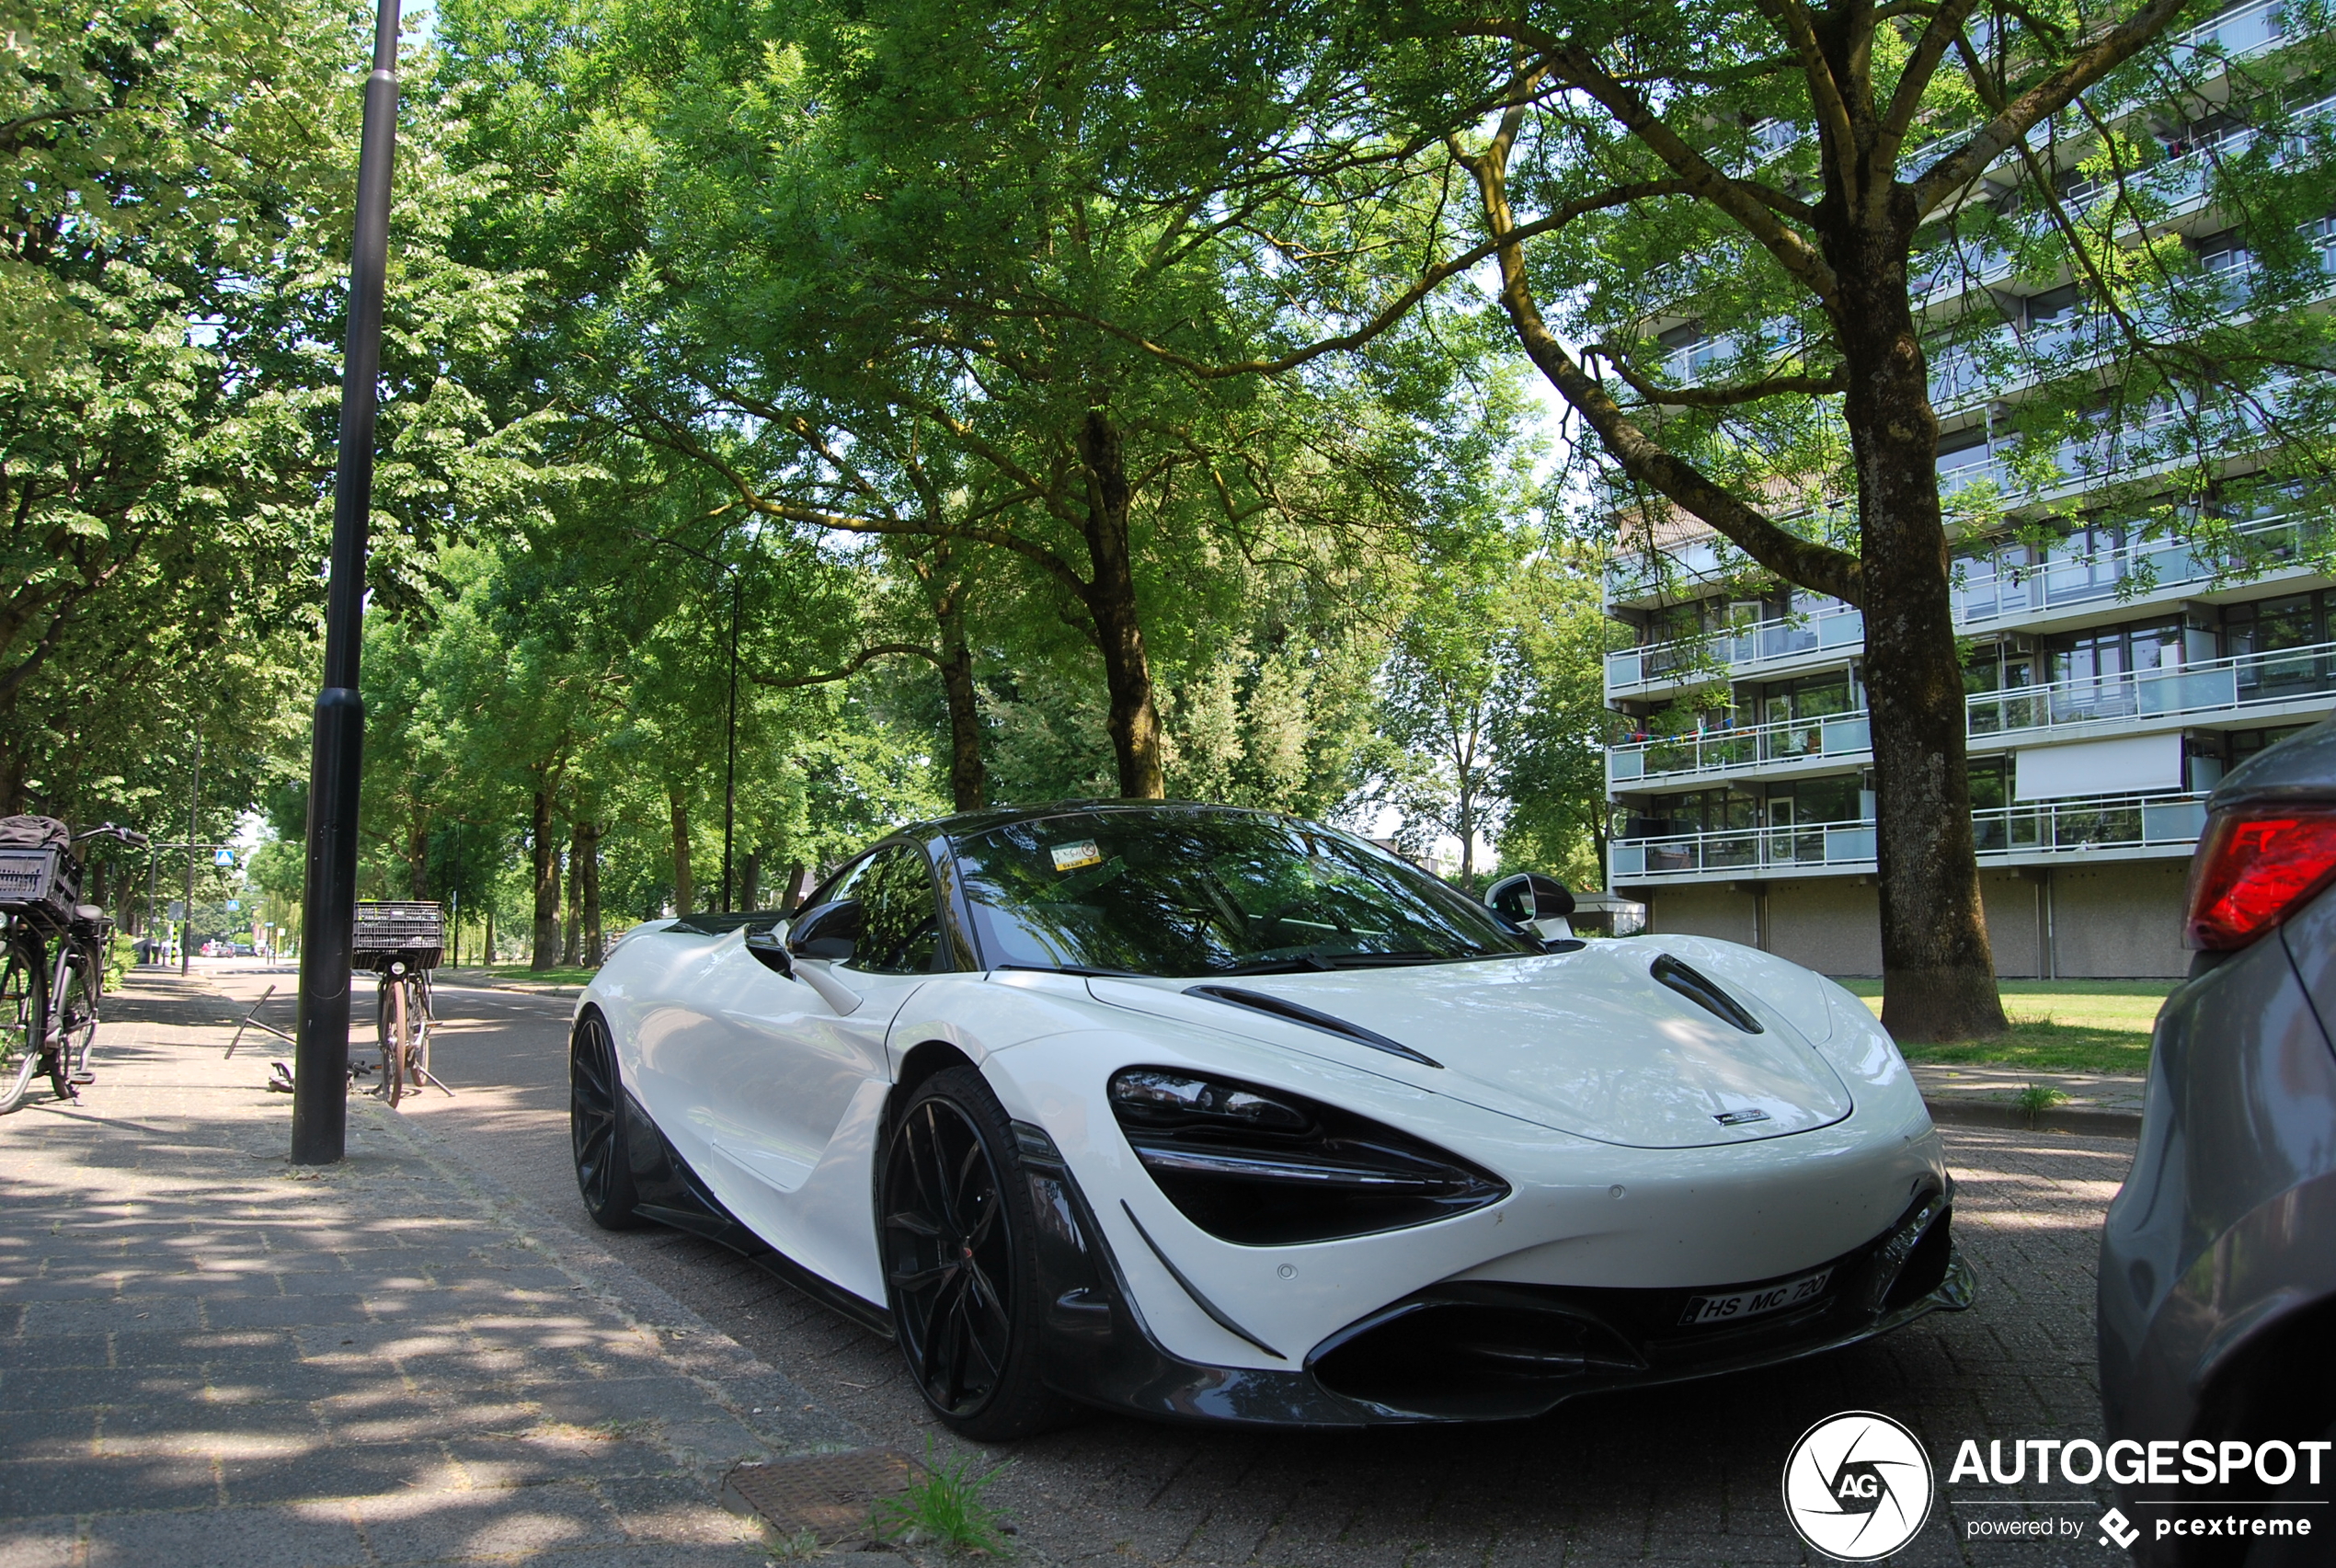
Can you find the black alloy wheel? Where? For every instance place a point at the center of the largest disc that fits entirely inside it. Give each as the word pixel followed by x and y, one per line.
pixel 596 1129
pixel 959 1261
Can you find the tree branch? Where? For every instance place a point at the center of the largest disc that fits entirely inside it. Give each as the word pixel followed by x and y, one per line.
pixel 2046 98
pixel 1799 560
pixel 1835 380
pixel 859 661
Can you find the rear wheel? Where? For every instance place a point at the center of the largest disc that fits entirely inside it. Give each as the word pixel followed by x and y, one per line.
pixel 960 1260
pixel 596 1129
pixel 23 987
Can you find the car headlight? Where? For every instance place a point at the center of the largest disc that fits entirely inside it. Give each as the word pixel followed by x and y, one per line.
pixel 1263 1167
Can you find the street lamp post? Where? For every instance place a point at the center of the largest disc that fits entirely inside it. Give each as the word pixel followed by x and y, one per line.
pixel 329 904
pixel 187 909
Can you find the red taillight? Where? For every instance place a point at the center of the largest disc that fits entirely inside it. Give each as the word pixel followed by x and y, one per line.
pixel 2252 868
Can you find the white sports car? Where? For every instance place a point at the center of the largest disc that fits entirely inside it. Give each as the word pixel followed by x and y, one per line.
pixel 1211 1114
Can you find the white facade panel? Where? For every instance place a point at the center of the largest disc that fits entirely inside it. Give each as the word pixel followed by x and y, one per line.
pixel 2130 765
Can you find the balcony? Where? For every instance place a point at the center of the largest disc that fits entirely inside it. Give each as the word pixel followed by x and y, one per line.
pixel 1737 651
pixel 2130 572
pixel 2237 34
pixel 2234 686
pixel 2117 827
pixel 2133 572
pixel 1839 737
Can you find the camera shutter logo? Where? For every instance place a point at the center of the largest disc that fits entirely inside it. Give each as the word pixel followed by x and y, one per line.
pixel 1857 1486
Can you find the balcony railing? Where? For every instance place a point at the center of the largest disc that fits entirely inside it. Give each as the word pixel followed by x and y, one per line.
pixel 1982 598
pixel 2038 829
pixel 1736 649
pixel 1714 750
pixel 2224 685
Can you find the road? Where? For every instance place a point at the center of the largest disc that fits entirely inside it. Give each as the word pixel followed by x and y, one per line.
pixel 1688 1474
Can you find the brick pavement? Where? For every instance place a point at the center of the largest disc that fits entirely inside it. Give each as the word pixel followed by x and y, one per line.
pixel 210 1357
pixel 1684 1475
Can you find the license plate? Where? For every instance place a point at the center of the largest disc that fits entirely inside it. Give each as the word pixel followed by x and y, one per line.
pixel 1752 1303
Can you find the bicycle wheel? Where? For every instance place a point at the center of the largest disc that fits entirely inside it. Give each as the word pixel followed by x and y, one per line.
pixel 393 1043
pixel 94 956
pixel 23 1020
pixel 418 1027
pixel 76 1019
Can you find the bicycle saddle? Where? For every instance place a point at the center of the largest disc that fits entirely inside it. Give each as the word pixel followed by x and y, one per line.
pixel 90 912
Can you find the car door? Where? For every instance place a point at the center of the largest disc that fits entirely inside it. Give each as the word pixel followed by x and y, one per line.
pixel 791 1090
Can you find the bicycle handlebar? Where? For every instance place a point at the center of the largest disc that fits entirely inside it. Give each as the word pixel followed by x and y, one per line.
pixel 127 835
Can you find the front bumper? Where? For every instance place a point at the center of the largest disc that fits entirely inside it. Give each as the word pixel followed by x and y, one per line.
pixel 1460 1350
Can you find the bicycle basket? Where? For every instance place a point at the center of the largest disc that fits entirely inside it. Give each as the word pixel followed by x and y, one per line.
pixel 387 932
pixel 39 882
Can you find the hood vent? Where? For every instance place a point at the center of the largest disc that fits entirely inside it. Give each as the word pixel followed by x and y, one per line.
pixel 1299 1013
pixel 1704 991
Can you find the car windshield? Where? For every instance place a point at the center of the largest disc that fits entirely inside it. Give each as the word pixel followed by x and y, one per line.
pixel 1201 891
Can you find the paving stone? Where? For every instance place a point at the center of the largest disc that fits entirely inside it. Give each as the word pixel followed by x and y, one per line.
pixel 218 1359
pixel 460 1525
pixel 246 1538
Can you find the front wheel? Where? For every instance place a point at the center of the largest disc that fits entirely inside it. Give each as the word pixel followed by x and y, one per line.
pixel 23 1020
pixel 596 1129
pixel 958 1238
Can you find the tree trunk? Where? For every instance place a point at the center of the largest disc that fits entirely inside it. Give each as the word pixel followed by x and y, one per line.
pixel 418 852
pixel 489 959
pixel 1134 720
pixel 1938 975
pixel 794 886
pixel 684 889
pixel 572 926
pixel 547 885
pixel 584 869
pixel 750 881
pixel 968 780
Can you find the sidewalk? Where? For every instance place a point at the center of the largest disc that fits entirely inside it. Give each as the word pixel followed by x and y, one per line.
pixel 210 1357
pixel 1984 1095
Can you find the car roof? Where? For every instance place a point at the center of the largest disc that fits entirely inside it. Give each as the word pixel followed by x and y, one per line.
pixel 2302 767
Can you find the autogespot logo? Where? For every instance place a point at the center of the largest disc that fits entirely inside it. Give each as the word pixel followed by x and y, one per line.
pixel 1857 1486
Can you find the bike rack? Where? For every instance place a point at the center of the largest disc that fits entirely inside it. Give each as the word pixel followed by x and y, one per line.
pixel 282 1081
pixel 253 1021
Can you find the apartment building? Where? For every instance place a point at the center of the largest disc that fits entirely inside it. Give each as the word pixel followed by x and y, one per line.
pixel 2114 671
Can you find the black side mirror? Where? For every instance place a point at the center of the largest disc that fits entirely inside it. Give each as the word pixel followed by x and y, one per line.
pixel 1529 896
pixel 827 930
pixel 770 951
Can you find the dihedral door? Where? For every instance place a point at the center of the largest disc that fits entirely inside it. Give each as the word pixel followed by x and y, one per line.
pixel 787 1087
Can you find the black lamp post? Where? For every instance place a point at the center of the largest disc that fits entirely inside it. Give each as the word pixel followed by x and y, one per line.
pixel 328 908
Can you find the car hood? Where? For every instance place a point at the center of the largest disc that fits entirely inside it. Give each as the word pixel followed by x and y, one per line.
pixel 1587 1043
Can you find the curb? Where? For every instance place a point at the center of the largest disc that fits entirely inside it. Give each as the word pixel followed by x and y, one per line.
pixel 2075 1119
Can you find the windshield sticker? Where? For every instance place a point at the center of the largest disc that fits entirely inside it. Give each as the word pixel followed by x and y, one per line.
pixel 1071 857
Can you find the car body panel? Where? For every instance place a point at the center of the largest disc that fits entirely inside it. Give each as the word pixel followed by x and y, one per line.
pixel 2224 1231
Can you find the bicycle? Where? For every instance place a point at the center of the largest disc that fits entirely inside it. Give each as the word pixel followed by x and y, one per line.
pixel 401 943
pixel 49 1007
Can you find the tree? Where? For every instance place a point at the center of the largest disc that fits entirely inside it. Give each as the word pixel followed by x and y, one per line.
pixel 817 238
pixel 1772 173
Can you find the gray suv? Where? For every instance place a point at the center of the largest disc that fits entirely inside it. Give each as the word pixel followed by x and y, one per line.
pixel 2217 1304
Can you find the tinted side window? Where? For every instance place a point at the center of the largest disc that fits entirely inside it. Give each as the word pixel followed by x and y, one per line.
pixel 900 926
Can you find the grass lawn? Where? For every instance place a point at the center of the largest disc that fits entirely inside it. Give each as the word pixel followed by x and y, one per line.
pixel 558 976
pixel 2058 1025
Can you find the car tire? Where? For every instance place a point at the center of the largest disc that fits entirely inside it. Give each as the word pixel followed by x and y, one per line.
pixel 596 1126
pixel 958 1232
